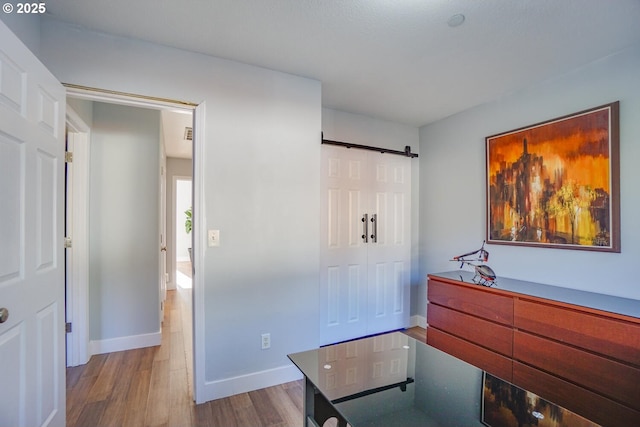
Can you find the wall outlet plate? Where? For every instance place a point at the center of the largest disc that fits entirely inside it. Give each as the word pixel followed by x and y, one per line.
pixel 213 238
pixel 266 341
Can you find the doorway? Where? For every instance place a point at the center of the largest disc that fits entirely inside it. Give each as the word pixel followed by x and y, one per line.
pixel 182 190
pixel 82 287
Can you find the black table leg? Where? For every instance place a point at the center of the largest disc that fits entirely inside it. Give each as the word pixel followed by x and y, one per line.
pixel 318 408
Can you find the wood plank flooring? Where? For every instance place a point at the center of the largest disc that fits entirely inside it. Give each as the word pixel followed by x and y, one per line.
pixel 153 386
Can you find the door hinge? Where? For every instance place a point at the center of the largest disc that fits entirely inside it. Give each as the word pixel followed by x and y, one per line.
pixel 67 242
pixel 67 327
pixel 68 156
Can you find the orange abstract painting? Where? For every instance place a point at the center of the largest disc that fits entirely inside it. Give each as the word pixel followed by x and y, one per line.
pixel 556 184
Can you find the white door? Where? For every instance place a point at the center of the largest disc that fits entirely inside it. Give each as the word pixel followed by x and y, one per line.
pixel 77 257
pixel 32 345
pixel 365 251
pixel 163 233
pixel 69 252
pixel 389 253
pixel 343 252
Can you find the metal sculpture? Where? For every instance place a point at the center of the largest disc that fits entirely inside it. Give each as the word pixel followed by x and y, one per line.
pixel 484 275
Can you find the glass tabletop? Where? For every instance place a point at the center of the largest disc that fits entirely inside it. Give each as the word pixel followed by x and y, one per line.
pixel 394 380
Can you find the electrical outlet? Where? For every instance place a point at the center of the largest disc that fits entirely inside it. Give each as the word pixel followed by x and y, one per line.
pixel 266 341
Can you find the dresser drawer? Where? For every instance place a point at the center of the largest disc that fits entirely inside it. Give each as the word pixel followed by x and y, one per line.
pixel 612 379
pixel 484 359
pixel 608 336
pixel 477 302
pixel 487 334
pixel 590 405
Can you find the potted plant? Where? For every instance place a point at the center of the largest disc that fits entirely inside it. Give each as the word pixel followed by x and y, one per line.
pixel 188 224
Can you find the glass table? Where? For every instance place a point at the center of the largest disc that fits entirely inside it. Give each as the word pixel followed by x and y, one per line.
pixel 394 380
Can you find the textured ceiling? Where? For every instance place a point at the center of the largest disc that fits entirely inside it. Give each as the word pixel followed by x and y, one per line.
pixel 392 59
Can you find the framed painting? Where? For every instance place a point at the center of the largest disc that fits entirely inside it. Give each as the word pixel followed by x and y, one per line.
pixel 557 183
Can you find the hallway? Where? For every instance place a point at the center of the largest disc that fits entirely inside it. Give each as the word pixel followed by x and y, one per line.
pixel 142 387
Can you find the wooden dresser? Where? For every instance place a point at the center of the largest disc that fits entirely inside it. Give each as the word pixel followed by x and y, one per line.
pixel 578 349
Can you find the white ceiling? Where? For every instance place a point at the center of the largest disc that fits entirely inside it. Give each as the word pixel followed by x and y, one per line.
pixel 391 59
pixel 173 127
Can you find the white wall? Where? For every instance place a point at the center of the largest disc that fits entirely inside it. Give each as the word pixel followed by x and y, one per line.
pixel 261 180
pixel 123 223
pixel 452 166
pixel 354 128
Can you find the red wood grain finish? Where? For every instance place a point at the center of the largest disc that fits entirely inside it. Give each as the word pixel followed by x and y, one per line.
pixel 478 302
pixel 574 398
pixel 481 357
pixel 584 359
pixel 615 338
pixel 487 334
pixel 619 381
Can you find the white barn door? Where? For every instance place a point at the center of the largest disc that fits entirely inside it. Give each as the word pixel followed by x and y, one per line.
pixel 365 250
pixel 343 251
pixel 32 342
pixel 389 256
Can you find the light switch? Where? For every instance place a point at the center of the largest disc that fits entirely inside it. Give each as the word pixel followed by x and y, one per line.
pixel 214 238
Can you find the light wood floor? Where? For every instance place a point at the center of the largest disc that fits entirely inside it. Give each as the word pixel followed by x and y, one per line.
pixel 152 386
pixel 184 267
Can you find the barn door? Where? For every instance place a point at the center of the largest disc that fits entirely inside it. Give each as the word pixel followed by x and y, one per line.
pixel 365 243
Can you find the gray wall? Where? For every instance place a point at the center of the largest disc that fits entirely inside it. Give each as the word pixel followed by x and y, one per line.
pixel 83 108
pixel 452 193
pixel 181 168
pixel 123 222
pixel 261 179
pixel 25 26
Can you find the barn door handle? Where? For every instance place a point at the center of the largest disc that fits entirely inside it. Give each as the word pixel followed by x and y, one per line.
pixel 374 227
pixel 365 228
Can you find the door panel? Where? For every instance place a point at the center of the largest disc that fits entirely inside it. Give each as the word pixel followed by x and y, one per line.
pixel 392 189
pixel 343 263
pixel 32 106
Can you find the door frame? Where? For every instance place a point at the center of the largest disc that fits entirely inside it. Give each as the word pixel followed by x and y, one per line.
pixel 77 269
pixel 198 111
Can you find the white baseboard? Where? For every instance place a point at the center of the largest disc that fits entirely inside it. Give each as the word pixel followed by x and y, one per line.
pixel 420 321
pixel 124 343
pixel 245 383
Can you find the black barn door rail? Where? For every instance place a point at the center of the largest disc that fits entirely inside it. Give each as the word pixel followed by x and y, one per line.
pixel 407 149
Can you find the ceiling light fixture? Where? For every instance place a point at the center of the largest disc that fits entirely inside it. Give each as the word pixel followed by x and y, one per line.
pixel 456 20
